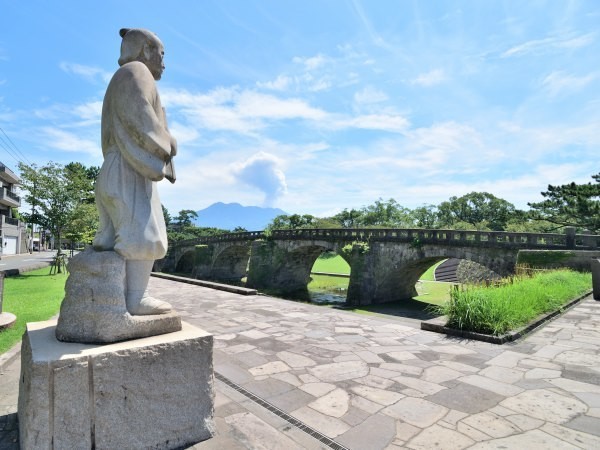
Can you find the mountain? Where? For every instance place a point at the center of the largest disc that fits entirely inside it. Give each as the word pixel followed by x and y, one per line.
pixel 230 215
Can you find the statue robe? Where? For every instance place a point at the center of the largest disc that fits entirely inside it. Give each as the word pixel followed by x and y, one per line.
pixel 136 146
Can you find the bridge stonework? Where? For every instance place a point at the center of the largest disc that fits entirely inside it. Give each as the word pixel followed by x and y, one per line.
pixel 392 269
pixel 285 265
pixel 385 264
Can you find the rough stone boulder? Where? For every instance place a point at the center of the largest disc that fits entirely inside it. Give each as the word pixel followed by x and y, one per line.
pixel 94 310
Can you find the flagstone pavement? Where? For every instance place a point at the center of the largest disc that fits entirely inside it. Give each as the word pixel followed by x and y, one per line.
pixel 377 382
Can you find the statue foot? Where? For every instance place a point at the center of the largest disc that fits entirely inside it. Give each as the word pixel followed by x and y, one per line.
pixel 148 306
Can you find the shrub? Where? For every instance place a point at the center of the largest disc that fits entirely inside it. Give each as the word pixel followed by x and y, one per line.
pixel 514 302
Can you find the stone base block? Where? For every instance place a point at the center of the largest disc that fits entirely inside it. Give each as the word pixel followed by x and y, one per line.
pixel 155 392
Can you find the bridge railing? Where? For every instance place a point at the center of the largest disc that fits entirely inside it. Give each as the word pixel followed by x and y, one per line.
pixel 446 237
pixel 242 236
pixel 418 236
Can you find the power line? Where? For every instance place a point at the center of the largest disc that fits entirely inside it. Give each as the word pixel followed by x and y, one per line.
pixel 14 146
pixel 7 149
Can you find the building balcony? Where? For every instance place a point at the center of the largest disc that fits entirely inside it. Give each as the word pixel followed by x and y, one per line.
pixel 8 221
pixel 9 198
pixel 8 175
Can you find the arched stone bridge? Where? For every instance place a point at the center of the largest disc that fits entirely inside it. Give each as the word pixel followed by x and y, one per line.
pixel 385 264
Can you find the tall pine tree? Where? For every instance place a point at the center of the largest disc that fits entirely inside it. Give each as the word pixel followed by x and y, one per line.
pixel 576 205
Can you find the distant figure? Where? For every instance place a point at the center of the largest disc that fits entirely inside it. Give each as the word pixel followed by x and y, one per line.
pixel 137 149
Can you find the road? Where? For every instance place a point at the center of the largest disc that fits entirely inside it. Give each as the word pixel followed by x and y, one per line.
pixel 26 261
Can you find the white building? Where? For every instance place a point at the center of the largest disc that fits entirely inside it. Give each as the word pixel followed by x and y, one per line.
pixel 12 231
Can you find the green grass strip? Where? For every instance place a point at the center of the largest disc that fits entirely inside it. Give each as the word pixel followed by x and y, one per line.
pixel 331 263
pixel 497 310
pixel 32 297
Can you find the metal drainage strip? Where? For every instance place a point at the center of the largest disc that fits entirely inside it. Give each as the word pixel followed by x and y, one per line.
pixel 285 416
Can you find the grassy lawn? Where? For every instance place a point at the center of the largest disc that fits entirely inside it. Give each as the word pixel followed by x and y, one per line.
pixel 331 263
pixel 32 297
pixel 433 292
pixel 430 274
pixel 497 310
pixel 327 283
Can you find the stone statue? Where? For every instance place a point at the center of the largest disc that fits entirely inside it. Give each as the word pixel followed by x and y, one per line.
pixel 105 294
pixel 138 151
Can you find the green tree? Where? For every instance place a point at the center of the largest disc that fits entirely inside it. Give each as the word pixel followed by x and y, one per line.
pixel 82 224
pixel 292 221
pixel 349 218
pixel 386 214
pixel 425 216
pixel 166 216
pixel 54 192
pixel 325 222
pixel 479 209
pixel 572 204
pixel 192 232
pixel 185 217
pixel 85 178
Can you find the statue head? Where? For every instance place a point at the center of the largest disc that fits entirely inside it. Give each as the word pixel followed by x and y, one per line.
pixel 144 46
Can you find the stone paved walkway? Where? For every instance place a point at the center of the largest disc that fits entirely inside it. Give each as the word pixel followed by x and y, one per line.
pixel 370 382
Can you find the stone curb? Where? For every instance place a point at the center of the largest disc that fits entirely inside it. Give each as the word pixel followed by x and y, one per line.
pixel 437 325
pixel 208 284
pixel 330 274
pixel 15 272
pixel 9 356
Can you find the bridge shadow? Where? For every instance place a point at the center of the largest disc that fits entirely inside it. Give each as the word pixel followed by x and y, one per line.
pixel 410 309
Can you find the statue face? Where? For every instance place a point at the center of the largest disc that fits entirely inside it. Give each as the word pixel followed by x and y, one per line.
pixel 154 54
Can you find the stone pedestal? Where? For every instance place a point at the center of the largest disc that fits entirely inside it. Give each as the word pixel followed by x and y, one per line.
pixel 155 392
pixel 596 278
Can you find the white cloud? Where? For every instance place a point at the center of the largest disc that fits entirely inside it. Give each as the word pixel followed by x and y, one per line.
pixel 69 142
pixel 559 82
pixel 254 104
pixel 383 122
pixel 242 111
pixel 182 133
pixel 447 147
pixel 262 171
pixel 312 62
pixel 539 46
pixel 89 73
pixel 448 139
pixel 369 95
pixel 431 78
pixel 281 83
pixel 321 84
pixel 89 111
pixel 554 140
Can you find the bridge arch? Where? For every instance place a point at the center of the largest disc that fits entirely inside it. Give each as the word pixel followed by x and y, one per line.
pixel 230 262
pixel 285 266
pixel 185 262
pixel 394 269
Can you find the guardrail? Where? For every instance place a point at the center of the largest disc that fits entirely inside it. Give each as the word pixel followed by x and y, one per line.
pixel 418 237
pixel 243 236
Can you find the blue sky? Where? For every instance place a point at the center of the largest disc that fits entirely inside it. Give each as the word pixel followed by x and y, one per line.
pixel 317 105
